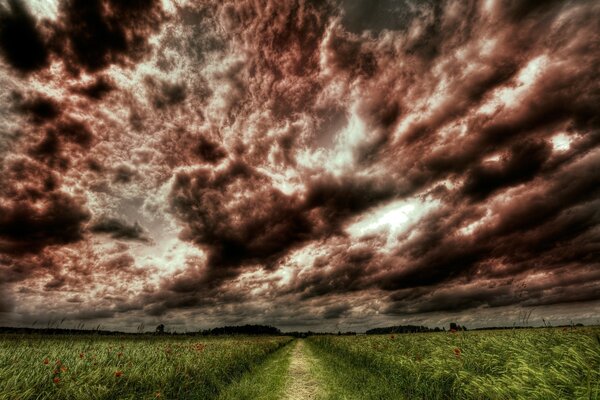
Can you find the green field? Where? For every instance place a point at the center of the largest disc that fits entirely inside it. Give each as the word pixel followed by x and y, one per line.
pixel 101 367
pixel 510 364
pixel 519 364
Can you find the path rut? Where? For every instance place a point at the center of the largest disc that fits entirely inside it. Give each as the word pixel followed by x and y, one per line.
pixel 302 385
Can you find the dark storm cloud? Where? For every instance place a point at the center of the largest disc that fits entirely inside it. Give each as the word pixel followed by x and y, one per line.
pixel 575 284
pixel 98 33
pixel 258 227
pixel 39 109
pixel 265 224
pixel 25 229
pixel 59 142
pixel 21 42
pixel 438 253
pixel 209 151
pixel 278 138
pixel 97 90
pixel 89 35
pixel 542 230
pixel 336 311
pixel 522 164
pixel 74 132
pixel 166 94
pixel 119 229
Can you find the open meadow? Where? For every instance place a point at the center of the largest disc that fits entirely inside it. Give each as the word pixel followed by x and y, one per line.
pixel 506 364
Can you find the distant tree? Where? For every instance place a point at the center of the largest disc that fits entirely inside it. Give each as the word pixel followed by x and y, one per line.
pixel 398 329
pixel 243 330
pixel 453 326
pixel 160 329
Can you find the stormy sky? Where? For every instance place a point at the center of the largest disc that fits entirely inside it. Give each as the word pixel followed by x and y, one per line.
pixel 311 164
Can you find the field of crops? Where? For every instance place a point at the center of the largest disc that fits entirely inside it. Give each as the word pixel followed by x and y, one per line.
pixel 93 367
pixel 511 364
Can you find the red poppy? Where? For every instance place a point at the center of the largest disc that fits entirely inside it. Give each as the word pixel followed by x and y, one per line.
pixel 199 346
pixel 46 361
pixel 392 337
pixel 81 355
pixel 457 352
pixel 118 373
pixel 56 372
pixel 63 369
pixel 119 354
pixel 56 380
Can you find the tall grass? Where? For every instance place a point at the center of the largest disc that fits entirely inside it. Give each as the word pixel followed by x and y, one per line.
pixel 142 367
pixel 516 364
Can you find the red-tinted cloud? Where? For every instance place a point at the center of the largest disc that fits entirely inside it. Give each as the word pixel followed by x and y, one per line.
pixel 332 161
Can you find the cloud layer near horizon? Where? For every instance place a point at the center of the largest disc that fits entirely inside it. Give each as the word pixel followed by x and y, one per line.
pixel 302 163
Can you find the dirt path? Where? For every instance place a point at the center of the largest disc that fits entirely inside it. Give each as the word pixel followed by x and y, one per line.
pixel 302 385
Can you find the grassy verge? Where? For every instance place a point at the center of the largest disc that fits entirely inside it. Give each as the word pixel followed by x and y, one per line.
pixel 266 381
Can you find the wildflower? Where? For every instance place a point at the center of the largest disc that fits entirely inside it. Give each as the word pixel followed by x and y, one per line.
pixel 157 394
pixel 56 380
pixel 199 347
pixel 56 372
pixel 81 355
pixel 46 361
pixel 457 352
pixel 63 368
pixel 119 354
pixel 392 337
pixel 118 373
